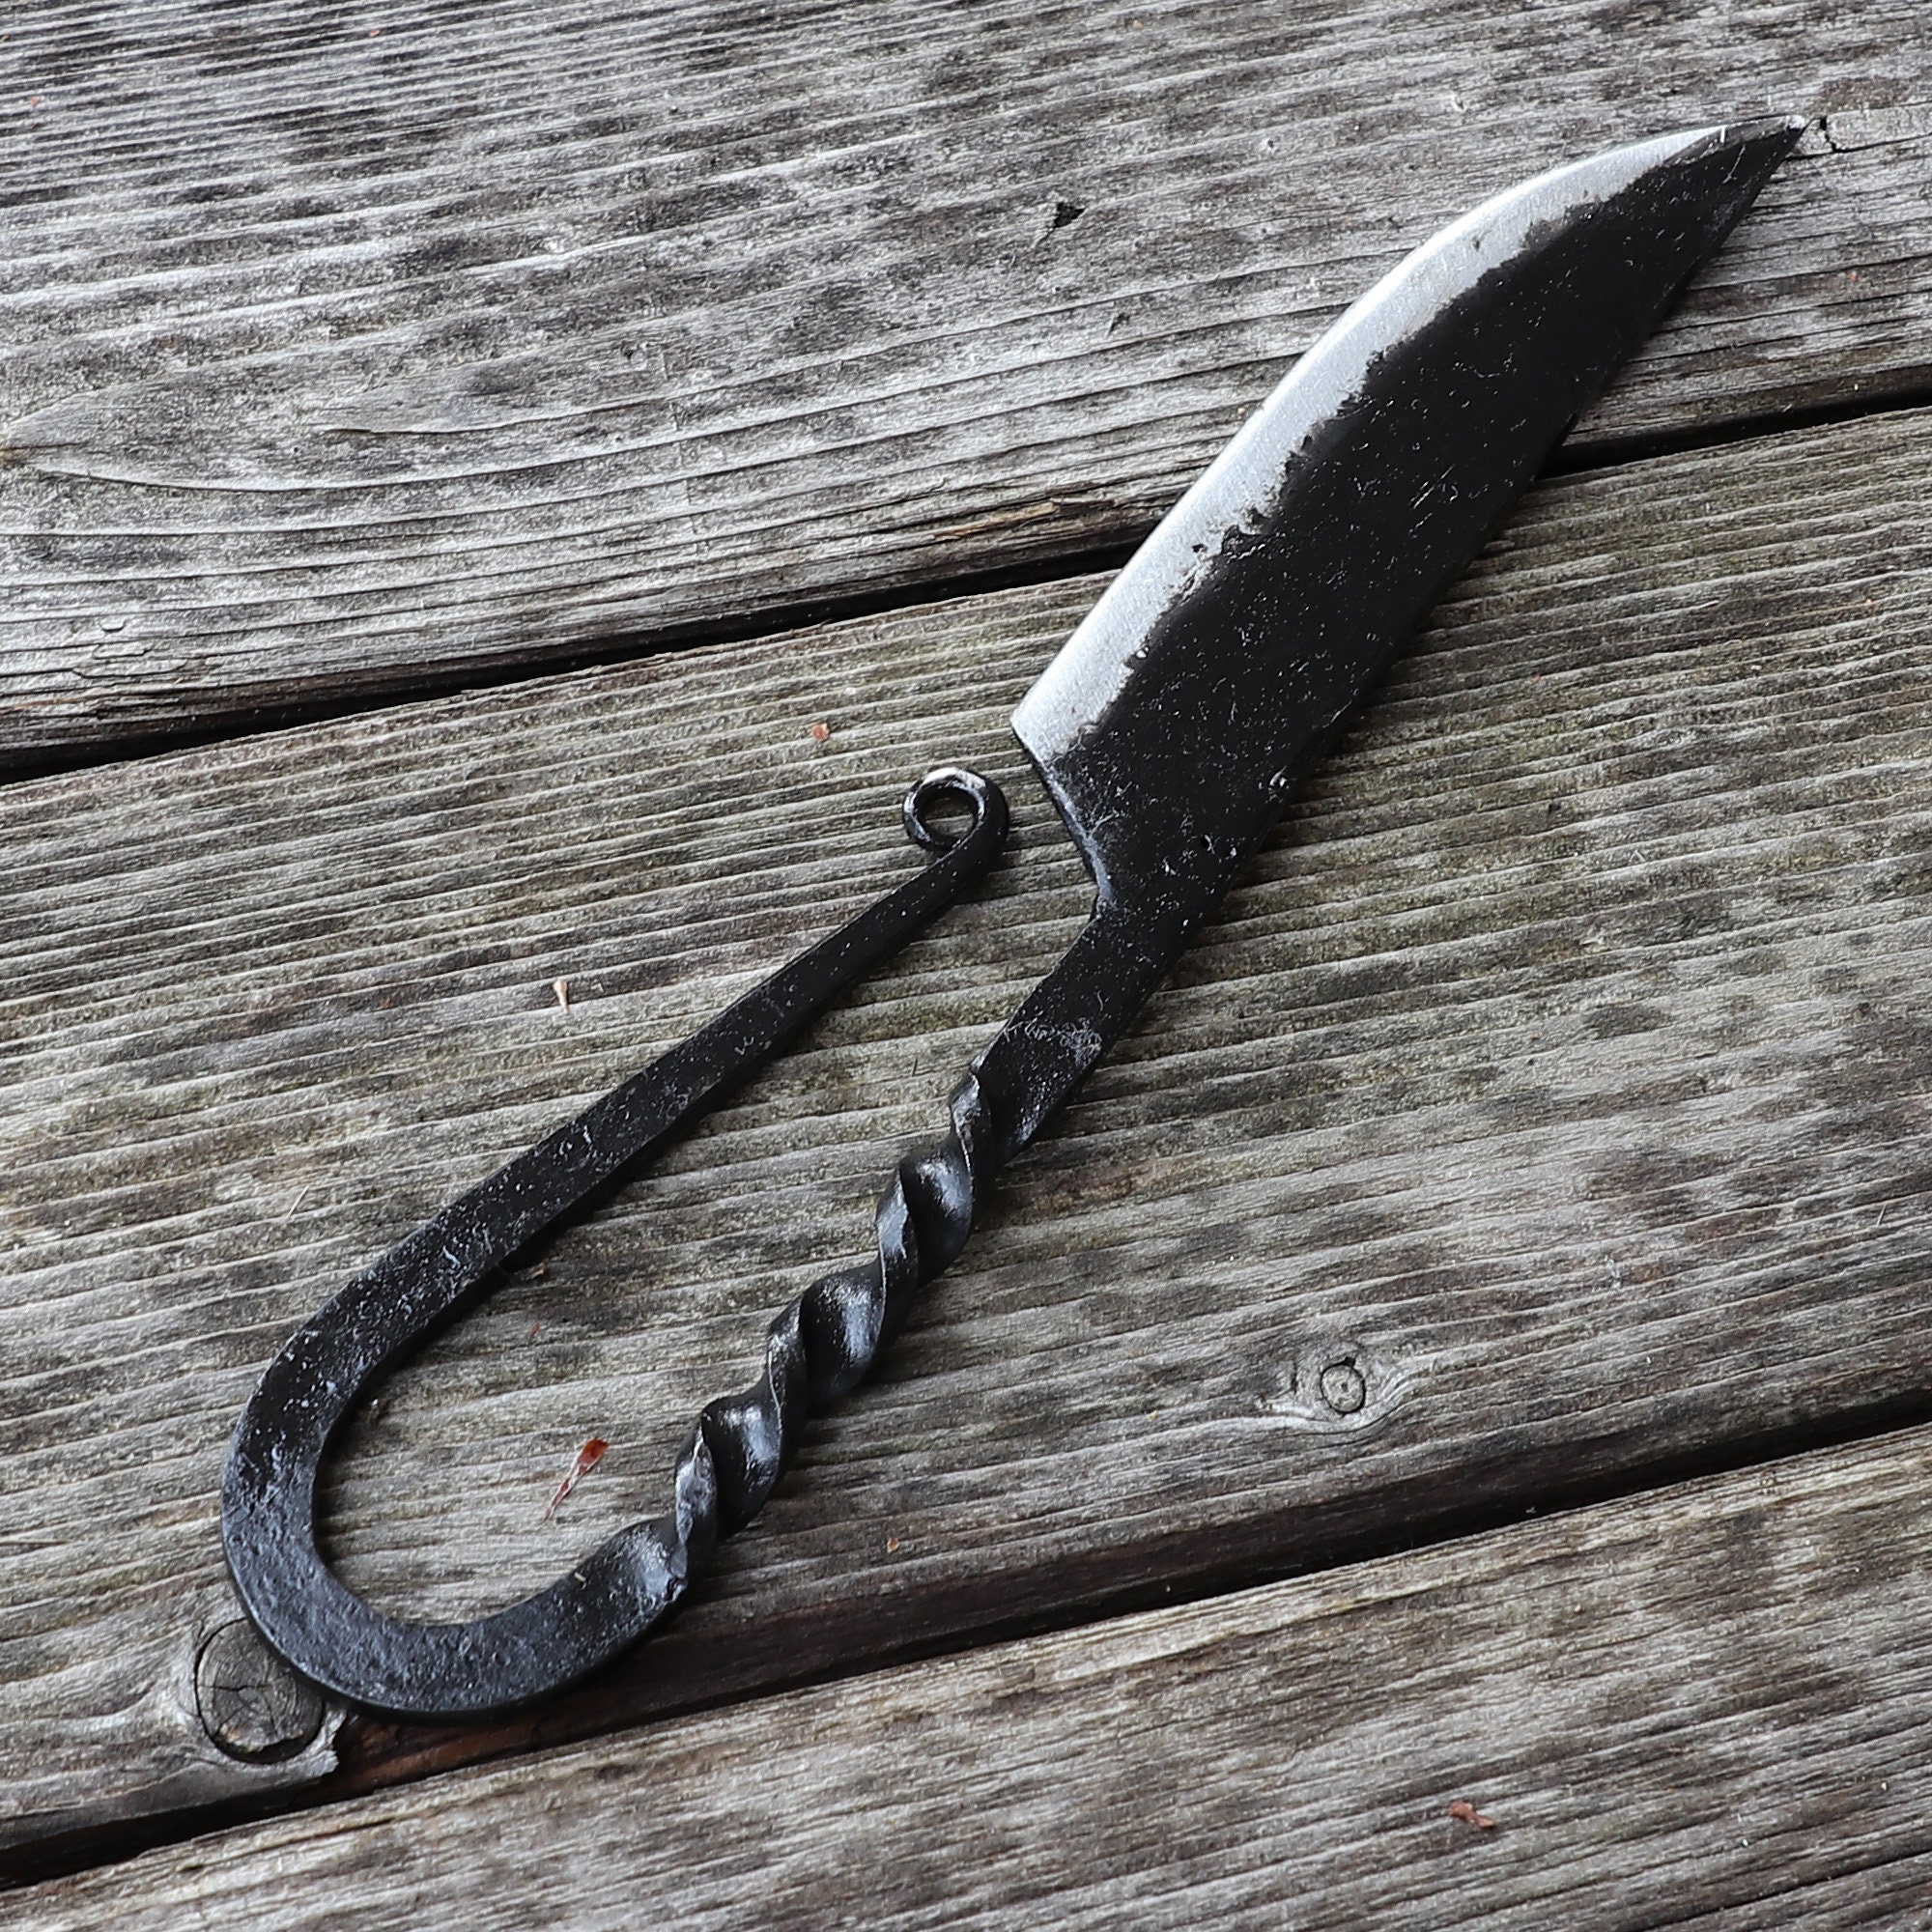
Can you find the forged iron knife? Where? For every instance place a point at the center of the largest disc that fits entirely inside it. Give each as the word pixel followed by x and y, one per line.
pixel 1169 730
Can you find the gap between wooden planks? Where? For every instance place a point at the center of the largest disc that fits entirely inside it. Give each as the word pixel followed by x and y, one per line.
pixel 1700 1707
pixel 1562 1070
pixel 346 361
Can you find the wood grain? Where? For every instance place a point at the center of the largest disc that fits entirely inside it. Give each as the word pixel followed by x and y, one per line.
pixel 1562 1074
pixel 349 352
pixel 1697 1708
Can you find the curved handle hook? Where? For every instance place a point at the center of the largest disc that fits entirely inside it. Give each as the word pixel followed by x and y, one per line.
pixel 816 1349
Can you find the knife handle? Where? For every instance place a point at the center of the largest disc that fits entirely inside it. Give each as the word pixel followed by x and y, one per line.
pixel 815 1351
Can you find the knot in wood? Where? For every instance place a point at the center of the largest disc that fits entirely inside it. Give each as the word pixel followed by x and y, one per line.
pixel 252 1705
pixel 1343 1388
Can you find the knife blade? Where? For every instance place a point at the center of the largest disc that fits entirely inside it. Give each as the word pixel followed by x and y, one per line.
pixel 1169 730
pixel 1271 596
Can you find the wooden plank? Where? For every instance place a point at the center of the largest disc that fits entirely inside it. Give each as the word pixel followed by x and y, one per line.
pixel 1563 1069
pixel 1671 1710
pixel 478 337
pixel 1889 1894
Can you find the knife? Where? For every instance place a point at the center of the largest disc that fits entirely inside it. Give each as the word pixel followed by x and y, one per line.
pixel 1169 731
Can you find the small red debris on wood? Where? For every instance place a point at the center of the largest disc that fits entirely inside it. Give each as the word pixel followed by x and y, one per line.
pixel 1466 1813
pixel 561 988
pixel 587 1459
pixel 820 732
pixel 533 1335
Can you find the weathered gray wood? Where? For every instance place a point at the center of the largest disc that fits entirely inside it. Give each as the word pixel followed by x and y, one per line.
pixel 343 358
pixel 1564 1069
pixel 1897 1892
pixel 1680 1710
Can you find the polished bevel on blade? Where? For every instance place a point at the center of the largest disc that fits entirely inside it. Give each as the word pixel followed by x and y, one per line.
pixel 1214 670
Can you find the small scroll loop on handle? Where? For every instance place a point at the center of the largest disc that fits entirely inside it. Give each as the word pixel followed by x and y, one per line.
pixel 982 799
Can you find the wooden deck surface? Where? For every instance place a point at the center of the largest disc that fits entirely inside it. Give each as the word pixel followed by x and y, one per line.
pixel 1466 1346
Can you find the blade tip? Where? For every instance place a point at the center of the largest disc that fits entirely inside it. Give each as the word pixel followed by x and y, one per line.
pixel 1744 154
pixel 1785 127
pixel 1772 137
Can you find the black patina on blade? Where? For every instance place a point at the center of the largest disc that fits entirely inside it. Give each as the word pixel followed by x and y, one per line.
pixel 1171 745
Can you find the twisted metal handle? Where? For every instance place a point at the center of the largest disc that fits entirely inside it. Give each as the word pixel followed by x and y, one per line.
pixel 815 1350
pixel 826 1341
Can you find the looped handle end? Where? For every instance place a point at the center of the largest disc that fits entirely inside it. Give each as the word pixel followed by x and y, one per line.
pixel 820 1346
